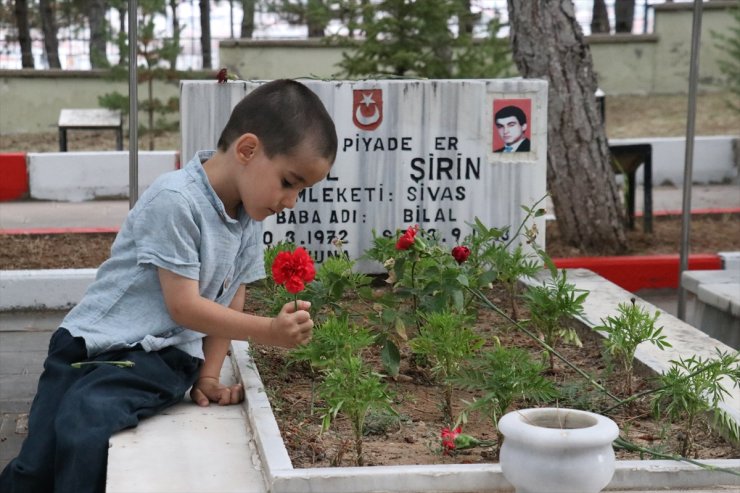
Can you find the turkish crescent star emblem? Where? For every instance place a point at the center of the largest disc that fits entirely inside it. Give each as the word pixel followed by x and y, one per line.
pixel 367 108
pixel 367 120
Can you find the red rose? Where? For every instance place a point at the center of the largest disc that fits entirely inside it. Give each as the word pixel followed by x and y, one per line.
pixel 461 253
pixel 293 269
pixel 406 239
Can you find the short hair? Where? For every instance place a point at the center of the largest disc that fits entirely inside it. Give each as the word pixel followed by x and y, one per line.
pixel 283 114
pixel 508 111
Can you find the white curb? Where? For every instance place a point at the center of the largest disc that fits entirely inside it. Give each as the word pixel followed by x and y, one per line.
pixel 50 289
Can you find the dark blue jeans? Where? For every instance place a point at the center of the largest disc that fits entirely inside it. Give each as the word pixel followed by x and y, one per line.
pixel 76 411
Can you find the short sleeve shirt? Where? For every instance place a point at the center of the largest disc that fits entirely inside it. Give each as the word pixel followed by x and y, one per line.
pixel 179 224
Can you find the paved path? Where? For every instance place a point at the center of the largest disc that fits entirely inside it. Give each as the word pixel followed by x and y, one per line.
pixel 24 339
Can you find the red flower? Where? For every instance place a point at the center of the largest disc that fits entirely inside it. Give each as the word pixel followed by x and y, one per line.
pixel 461 253
pixel 293 269
pixel 406 239
pixel 222 76
pixel 448 439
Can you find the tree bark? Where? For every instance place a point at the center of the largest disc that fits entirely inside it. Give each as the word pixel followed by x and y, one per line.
pixel 122 40
pixel 24 33
pixel 205 33
pixel 624 15
pixel 600 18
pixel 172 60
pixel 547 42
pixel 467 18
pixel 98 33
pixel 315 18
pixel 49 28
pixel 247 19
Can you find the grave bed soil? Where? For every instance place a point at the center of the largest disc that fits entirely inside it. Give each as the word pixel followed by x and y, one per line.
pixel 414 437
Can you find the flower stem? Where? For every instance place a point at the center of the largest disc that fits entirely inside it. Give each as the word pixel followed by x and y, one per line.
pixel 627 445
pixel 120 364
pixel 530 213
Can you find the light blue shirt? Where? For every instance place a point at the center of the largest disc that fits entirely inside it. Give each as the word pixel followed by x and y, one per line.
pixel 179 224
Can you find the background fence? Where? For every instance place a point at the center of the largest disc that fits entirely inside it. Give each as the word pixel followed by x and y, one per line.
pixel 226 17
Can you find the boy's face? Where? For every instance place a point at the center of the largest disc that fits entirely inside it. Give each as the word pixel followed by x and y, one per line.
pixel 273 184
pixel 510 130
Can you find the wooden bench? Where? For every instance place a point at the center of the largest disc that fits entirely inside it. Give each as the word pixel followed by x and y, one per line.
pixel 89 119
pixel 626 158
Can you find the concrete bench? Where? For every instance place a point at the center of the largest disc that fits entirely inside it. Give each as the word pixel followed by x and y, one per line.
pixel 189 448
pixel 90 119
pixel 714 296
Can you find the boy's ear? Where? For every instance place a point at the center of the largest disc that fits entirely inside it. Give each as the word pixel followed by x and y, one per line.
pixel 245 147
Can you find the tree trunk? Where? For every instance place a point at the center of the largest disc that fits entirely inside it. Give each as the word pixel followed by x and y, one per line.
pixel 122 40
pixel 600 18
pixel 205 33
pixel 315 18
pixel 49 27
pixel 98 33
pixel 247 19
pixel 24 33
pixel 547 42
pixel 624 14
pixel 172 60
pixel 467 18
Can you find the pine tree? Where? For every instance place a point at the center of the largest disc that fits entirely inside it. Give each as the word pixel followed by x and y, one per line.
pixel 420 39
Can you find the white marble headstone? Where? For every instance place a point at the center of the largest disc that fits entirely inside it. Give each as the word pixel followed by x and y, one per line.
pixel 410 152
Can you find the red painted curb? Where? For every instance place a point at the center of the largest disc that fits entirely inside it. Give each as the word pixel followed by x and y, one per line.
pixel 679 212
pixel 13 176
pixel 641 272
pixel 55 231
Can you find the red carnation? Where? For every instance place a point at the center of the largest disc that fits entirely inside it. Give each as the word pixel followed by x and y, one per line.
pixel 448 439
pixel 461 253
pixel 406 239
pixel 293 269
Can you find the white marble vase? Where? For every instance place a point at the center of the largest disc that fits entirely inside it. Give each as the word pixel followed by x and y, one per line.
pixel 557 450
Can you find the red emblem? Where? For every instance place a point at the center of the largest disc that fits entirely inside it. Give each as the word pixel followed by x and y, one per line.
pixel 367 108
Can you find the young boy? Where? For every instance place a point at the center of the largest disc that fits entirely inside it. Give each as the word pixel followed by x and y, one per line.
pixel 170 298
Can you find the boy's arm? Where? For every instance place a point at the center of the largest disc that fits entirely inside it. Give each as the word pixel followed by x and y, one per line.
pixel 189 309
pixel 209 388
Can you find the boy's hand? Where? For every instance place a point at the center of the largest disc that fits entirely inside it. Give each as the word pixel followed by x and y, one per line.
pixel 291 328
pixel 210 389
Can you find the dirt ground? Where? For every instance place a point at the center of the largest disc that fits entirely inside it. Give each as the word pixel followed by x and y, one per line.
pixel 709 234
pixel 626 116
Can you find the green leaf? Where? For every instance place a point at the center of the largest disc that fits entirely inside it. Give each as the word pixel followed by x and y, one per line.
pixel 391 358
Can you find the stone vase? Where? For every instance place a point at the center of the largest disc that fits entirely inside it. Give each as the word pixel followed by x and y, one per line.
pixel 557 450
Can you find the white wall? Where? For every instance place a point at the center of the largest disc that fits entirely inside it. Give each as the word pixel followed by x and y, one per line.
pixel 79 176
pixel 714 159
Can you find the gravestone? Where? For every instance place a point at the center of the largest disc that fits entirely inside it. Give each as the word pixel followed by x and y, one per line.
pixel 423 152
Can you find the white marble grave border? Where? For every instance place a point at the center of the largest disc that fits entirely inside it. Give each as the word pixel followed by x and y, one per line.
pixel 280 475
